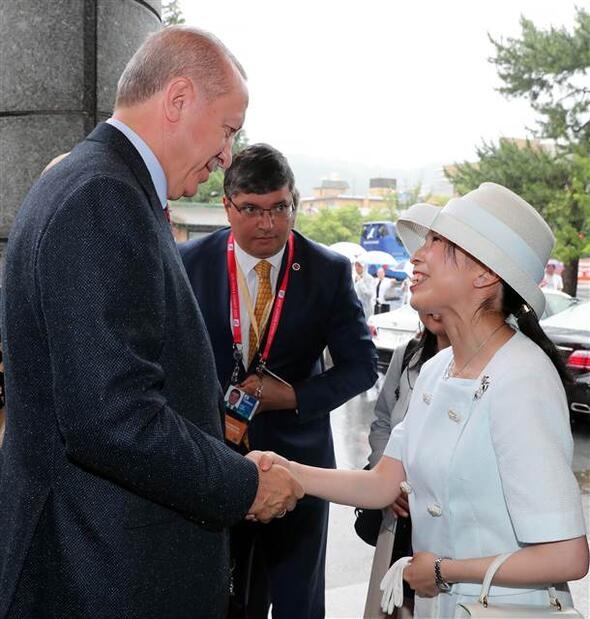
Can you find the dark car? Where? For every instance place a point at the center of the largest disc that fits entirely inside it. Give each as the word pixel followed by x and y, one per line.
pixel 569 330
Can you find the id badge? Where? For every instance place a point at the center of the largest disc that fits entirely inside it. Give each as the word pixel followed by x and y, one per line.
pixel 234 429
pixel 241 403
pixel 240 408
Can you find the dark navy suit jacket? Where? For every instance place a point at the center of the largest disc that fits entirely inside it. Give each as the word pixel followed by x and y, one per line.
pixel 321 309
pixel 116 487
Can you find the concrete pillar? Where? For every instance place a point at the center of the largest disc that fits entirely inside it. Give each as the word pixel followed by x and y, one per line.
pixel 59 65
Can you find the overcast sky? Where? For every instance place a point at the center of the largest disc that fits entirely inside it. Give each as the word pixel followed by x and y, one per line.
pixel 398 83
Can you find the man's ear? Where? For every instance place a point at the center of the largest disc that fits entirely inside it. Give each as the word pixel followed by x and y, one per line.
pixel 485 278
pixel 227 207
pixel 178 94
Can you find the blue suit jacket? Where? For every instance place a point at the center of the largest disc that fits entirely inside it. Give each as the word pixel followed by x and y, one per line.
pixel 321 309
pixel 116 486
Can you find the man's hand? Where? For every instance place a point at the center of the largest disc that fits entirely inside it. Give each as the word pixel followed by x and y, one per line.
pixel 272 393
pixel 278 491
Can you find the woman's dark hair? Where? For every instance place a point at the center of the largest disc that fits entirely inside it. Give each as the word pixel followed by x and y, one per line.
pixel 528 323
pixel 425 344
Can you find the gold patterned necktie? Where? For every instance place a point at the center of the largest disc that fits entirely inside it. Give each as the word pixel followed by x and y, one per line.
pixel 263 299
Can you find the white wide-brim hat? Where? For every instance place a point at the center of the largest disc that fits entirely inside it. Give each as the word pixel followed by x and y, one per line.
pixel 495 226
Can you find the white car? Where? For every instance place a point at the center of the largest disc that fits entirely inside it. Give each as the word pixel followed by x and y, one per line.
pixel 391 329
pixel 556 301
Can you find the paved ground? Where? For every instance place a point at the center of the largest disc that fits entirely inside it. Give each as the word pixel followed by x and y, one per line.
pixel 349 559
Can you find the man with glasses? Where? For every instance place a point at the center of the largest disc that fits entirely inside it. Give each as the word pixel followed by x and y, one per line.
pixel 273 351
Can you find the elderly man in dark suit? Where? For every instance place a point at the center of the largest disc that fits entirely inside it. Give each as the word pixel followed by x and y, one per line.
pixel 280 362
pixel 116 486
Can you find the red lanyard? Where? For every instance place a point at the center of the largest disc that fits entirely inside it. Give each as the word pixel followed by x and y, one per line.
pixel 235 299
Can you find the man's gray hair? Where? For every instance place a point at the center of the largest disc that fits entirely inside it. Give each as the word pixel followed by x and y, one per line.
pixel 177 51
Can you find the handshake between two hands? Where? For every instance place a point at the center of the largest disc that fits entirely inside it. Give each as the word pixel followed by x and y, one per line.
pixel 278 489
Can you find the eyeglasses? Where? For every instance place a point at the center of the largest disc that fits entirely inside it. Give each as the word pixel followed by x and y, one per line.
pixel 278 211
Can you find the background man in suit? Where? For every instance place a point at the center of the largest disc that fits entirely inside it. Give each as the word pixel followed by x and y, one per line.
pixel 314 306
pixel 117 487
pixel 381 287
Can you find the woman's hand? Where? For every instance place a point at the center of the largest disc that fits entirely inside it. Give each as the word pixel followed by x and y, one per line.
pixel 419 574
pixel 400 507
pixel 265 459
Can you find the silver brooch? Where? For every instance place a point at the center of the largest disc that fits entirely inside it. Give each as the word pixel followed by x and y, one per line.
pixel 426 398
pixel 483 387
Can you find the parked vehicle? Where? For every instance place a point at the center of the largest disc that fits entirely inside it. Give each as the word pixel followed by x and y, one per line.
pixel 382 236
pixel 569 330
pixel 556 301
pixel 391 329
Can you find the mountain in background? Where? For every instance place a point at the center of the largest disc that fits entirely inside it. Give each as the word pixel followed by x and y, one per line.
pixel 310 171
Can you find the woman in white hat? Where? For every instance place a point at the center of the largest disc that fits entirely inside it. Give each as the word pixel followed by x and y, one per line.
pixel 485 449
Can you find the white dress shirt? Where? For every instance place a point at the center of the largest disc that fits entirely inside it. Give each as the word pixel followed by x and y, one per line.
pixel 246 263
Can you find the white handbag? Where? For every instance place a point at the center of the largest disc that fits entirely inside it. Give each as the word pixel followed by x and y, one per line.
pixel 488 610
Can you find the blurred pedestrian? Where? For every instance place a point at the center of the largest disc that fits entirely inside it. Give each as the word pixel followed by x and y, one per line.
pixel 405 291
pixel 552 279
pixel 382 288
pixel 364 286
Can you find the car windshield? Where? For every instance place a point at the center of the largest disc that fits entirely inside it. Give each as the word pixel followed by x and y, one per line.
pixel 556 302
pixel 574 317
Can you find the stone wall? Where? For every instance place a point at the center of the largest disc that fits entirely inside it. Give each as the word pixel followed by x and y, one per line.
pixel 59 65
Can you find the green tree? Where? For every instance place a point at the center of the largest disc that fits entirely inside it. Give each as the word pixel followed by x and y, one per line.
pixel 549 67
pixel 554 184
pixel 331 225
pixel 240 142
pixel 395 202
pixel 171 13
pixel 212 190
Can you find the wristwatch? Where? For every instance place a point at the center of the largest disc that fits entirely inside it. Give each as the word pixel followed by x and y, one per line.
pixel 441 583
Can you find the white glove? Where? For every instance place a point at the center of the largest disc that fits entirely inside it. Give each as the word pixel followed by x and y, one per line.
pixel 392 586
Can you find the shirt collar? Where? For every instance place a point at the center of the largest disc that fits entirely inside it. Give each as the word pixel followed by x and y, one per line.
pixel 151 161
pixel 248 262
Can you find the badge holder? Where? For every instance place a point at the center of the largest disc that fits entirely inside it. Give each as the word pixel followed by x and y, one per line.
pixel 240 407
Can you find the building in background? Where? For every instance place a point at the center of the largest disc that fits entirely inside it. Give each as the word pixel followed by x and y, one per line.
pixel 332 194
pixel 192 220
